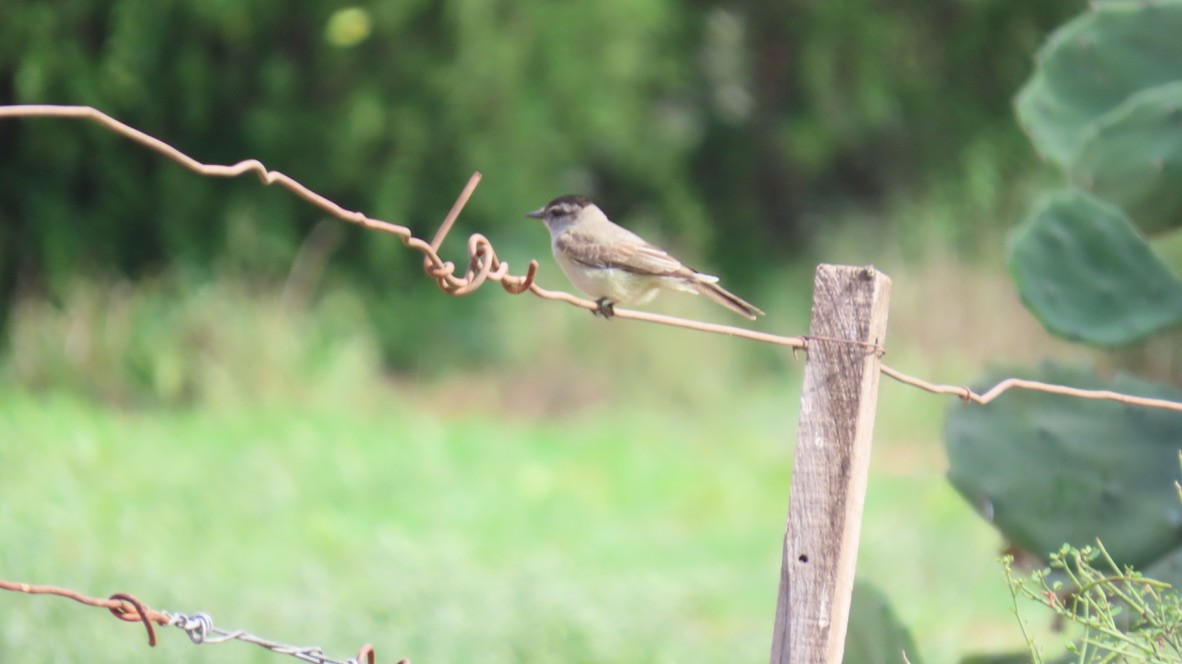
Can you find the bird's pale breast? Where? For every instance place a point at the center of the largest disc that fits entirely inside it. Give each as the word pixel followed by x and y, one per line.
pixel 615 284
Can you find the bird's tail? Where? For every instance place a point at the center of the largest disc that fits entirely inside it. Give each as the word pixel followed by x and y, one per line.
pixel 727 299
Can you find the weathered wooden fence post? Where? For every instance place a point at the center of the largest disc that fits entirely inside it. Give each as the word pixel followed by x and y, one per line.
pixel 832 461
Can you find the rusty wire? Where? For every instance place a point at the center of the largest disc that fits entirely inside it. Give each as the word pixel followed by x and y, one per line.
pixel 199 627
pixel 1008 384
pixel 484 265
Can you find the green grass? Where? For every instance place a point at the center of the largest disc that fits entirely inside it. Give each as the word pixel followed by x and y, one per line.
pixel 611 493
pixel 437 539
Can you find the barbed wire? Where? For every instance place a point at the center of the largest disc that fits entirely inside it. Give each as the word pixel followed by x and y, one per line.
pixel 199 626
pixel 484 265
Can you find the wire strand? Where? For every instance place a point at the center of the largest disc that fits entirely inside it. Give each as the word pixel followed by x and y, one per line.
pixel 199 627
pixel 484 265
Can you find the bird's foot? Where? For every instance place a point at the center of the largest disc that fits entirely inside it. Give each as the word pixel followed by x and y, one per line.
pixel 604 307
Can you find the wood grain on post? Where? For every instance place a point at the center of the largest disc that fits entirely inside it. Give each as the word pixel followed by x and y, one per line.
pixel 832 461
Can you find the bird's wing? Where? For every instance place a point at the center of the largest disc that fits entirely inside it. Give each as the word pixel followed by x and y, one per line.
pixel 637 256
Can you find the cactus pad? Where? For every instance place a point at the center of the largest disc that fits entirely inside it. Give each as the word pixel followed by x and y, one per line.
pixel 1048 470
pixel 1133 157
pixel 1093 64
pixel 875 633
pixel 1081 267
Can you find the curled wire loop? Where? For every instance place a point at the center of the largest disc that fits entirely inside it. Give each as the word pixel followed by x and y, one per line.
pixel 484 265
pixel 137 612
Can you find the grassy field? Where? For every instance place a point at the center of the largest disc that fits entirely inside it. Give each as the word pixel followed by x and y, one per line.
pixel 612 493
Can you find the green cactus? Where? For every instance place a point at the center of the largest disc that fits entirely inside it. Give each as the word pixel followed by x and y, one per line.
pixel 875 633
pixel 1047 469
pixel 1133 157
pixel 1168 569
pixel 1105 104
pixel 1081 267
pixel 1093 64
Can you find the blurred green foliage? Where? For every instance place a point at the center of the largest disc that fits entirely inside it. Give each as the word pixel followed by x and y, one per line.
pixel 733 126
pixel 1103 103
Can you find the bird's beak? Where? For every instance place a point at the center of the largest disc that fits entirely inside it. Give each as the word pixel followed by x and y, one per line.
pixel 537 214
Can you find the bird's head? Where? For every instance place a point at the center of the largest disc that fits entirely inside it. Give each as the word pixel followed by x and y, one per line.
pixel 562 210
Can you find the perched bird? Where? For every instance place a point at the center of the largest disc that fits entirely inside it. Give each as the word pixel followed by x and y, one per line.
pixel 614 265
